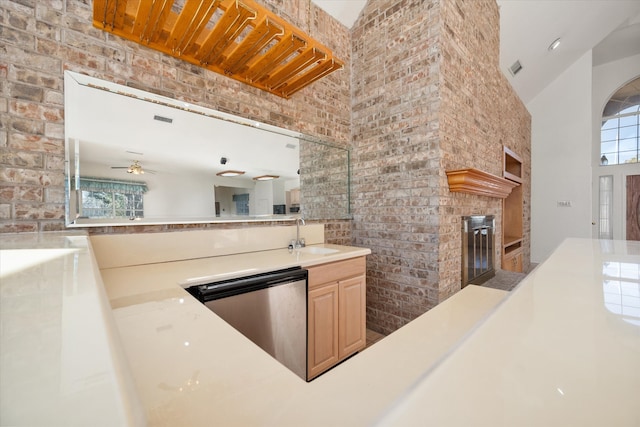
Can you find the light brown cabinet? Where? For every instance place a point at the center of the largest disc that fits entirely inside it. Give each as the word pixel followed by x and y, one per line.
pixel 352 333
pixel 295 196
pixel 322 338
pixel 512 213
pixel 512 261
pixel 337 313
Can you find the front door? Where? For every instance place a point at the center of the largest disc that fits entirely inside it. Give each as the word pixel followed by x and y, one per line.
pixel 633 207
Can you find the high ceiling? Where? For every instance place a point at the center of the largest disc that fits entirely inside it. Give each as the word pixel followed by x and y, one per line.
pixel 527 27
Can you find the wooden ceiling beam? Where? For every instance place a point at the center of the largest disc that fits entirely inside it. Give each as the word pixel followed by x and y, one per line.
pixel 264 32
pixel 238 38
pixel 292 68
pixel 313 74
pixel 190 23
pixel 286 47
pixel 227 29
pixel 109 13
pixel 154 24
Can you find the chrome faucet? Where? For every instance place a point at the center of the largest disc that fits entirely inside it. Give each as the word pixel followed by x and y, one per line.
pixel 299 243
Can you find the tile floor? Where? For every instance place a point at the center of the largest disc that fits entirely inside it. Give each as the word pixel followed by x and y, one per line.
pixel 506 280
pixel 373 337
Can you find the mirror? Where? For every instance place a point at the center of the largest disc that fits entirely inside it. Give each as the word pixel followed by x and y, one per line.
pixel 135 157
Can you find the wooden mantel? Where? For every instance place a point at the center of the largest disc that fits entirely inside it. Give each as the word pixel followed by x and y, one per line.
pixel 474 181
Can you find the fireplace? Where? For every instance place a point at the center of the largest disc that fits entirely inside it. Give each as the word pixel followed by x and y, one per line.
pixel 478 241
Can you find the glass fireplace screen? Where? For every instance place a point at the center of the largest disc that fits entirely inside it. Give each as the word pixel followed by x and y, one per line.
pixel 478 241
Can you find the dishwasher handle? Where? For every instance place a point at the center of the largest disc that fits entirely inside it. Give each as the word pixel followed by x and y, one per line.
pixel 227 288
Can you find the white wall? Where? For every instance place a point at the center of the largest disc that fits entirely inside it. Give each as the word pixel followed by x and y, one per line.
pixel 607 79
pixel 263 200
pixel 178 195
pixel 561 135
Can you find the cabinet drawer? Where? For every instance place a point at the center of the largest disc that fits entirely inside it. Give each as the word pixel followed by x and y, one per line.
pixel 334 271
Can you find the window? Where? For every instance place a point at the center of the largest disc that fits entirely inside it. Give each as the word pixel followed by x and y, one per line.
pixel 620 131
pixel 111 204
pixel 104 198
pixel 605 229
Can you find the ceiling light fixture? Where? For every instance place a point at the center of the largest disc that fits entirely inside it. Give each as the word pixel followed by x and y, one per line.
pixel 135 168
pixel 230 173
pixel 266 177
pixel 554 45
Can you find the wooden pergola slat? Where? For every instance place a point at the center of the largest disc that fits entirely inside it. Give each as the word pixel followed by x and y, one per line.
pixel 238 38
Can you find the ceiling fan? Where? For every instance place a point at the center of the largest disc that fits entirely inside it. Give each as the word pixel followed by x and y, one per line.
pixel 135 168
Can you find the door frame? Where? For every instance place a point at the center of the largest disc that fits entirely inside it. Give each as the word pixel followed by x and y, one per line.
pixel 619 173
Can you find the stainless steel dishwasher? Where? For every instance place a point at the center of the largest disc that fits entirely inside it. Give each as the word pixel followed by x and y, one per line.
pixel 270 309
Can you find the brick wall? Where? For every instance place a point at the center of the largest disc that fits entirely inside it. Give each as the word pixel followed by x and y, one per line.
pixel 429 97
pixel 479 113
pixel 41 39
pixel 421 93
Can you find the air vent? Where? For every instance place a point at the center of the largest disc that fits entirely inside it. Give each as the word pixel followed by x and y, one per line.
pixel 162 119
pixel 515 68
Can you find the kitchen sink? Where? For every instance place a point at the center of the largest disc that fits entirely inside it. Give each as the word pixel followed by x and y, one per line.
pixel 316 250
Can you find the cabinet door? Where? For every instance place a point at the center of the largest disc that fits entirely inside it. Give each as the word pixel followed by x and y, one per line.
pixel 513 262
pixel 517 263
pixel 323 329
pixel 295 196
pixel 352 336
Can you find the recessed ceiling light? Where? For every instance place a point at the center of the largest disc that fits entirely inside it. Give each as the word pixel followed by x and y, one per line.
pixel 265 177
pixel 554 45
pixel 230 173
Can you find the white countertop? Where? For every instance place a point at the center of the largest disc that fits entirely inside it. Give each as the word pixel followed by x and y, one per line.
pixel 562 349
pixel 140 279
pixel 192 368
pixel 61 361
